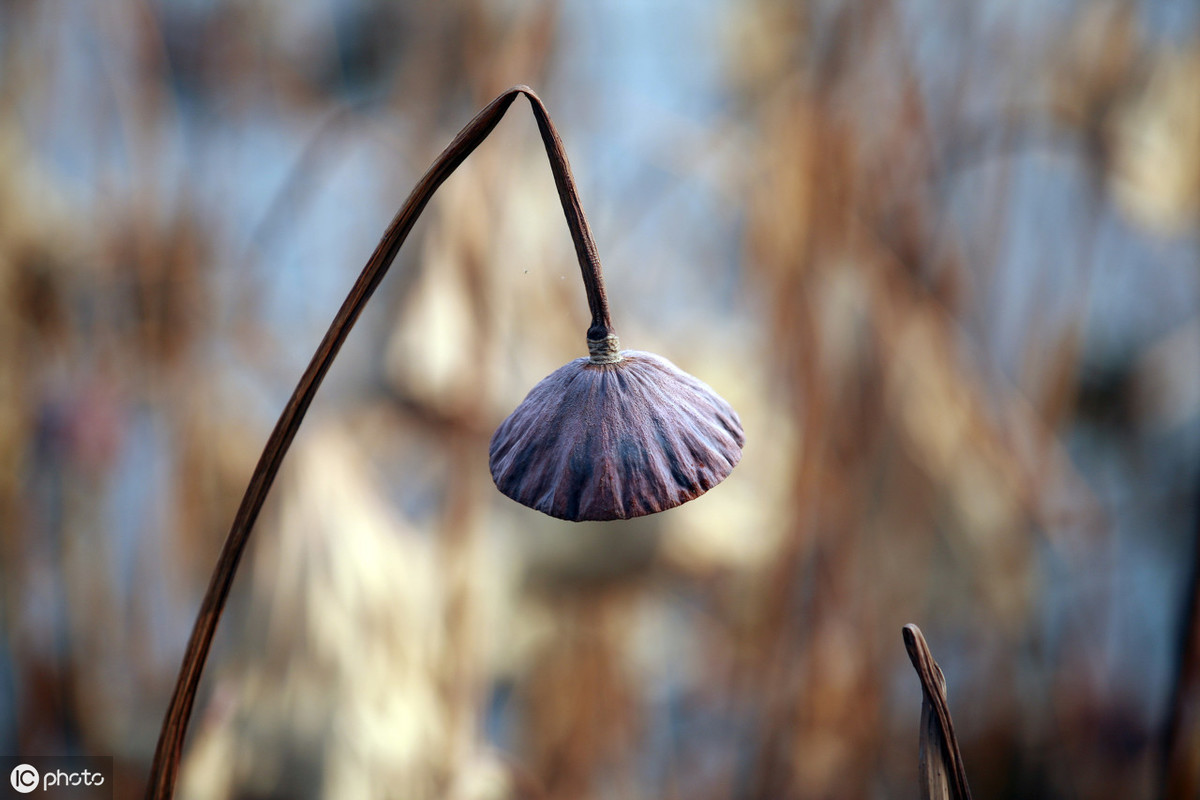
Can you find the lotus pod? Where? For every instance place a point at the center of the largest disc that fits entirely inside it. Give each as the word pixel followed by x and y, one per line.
pixel 614 436
pixel 618 434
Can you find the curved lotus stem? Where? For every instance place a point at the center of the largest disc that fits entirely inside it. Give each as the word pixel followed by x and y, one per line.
pixel 170 742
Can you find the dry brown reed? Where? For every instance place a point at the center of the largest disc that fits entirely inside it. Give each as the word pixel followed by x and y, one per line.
pixel 942 773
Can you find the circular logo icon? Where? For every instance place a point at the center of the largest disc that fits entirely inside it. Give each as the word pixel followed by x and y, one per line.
pixel 24 778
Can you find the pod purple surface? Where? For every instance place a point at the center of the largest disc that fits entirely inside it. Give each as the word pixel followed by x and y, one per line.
pixel 615 439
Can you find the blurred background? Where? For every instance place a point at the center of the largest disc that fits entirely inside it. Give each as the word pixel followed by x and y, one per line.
pixel 943 258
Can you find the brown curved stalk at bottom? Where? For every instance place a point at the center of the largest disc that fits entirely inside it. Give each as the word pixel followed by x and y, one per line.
pixel 942 772
pixel 170 742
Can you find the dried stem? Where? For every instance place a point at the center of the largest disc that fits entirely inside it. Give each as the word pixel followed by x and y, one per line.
pixel 581 233
pixel 170 743
pixel 943 776
pixel 1181 742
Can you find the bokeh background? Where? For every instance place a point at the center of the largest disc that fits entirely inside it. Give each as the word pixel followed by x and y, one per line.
pixel 943 258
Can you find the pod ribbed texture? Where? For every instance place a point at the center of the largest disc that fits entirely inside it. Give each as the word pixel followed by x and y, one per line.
pixel 614 441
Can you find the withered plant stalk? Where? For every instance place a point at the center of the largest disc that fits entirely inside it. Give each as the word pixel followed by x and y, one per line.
pixel 170 743
pixel 943 776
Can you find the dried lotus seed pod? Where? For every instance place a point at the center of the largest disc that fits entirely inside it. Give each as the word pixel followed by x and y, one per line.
pixel 618 434
pixel 614 436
